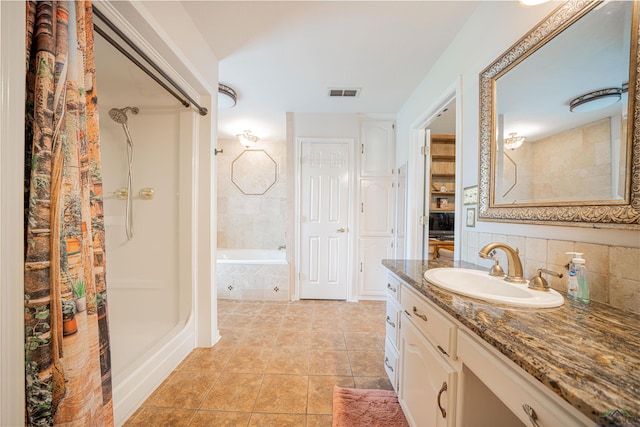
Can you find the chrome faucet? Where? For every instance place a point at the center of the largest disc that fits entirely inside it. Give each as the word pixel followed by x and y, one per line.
pixel 514 267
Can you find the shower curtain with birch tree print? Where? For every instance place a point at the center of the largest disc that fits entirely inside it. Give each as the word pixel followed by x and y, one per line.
pixel 67 356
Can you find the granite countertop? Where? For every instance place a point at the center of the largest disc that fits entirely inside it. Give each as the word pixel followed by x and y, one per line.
pixel 588 354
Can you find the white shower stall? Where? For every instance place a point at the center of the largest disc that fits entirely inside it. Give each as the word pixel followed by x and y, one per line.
pixel 152 258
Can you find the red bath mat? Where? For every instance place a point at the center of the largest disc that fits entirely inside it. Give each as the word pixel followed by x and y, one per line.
pixel 366 408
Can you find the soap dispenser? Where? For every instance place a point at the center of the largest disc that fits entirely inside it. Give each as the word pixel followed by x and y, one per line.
pixel 578 279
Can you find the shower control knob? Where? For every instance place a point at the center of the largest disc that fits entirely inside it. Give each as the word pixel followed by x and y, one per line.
pixel 146 193
pixel 121 193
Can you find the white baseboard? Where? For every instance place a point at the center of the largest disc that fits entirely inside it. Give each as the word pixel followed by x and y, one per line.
pixel 136 386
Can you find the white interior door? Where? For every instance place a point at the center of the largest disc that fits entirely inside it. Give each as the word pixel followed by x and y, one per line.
pixel 324 220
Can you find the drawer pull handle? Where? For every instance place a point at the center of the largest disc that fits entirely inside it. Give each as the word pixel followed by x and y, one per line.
pixel 442 390
pixel 422 316
pixel 389 287
pixel 533 417
pixel 443 351
pixel 393 325
pixel 386 362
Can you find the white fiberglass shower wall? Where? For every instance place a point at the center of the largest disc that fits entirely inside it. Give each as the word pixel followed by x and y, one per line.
pixel 142 272
pixel 149 286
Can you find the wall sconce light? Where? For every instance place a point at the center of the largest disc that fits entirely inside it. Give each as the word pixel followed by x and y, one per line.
pixel 513 141
pixel 246 139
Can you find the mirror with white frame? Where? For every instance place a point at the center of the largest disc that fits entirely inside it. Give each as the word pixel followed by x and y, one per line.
pixel 558 113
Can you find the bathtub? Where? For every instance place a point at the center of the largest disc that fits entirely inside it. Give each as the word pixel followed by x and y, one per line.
pixel 252 274
pixel 251 256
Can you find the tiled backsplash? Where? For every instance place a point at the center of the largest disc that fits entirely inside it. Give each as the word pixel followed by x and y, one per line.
pixel 614 272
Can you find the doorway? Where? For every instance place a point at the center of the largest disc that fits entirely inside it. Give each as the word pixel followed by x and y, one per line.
pixel 434 121
pixel 324 219
pixel 439 198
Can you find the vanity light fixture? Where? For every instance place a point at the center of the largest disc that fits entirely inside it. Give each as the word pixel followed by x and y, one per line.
pixel 513 141
pixel 227 97
pixel 246 139
pixel 532 2
pixel 595 100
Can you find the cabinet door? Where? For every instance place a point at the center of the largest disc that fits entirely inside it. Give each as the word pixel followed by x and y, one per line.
pixel 377 152
pixel 372 275
pixel 427 382
pixel 377 204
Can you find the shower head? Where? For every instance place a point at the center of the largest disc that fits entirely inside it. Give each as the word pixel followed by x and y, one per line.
pixel 119 115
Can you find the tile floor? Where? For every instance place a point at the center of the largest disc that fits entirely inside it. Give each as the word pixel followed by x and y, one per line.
pixel 275 365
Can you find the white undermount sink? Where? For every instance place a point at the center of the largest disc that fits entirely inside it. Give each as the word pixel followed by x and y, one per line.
pixel 478 284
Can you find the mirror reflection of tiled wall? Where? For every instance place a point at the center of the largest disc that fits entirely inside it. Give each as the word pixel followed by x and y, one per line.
pixel 251 221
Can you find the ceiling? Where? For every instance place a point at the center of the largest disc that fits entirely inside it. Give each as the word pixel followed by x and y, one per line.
pixel 283 56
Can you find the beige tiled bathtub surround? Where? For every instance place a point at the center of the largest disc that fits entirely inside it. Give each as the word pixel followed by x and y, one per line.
pixel 614 272
pixel 253 281
pixel 275 365
pixel 251 221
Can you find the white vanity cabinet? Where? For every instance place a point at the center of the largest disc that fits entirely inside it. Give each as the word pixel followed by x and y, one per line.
pixel 392 325
pixel 427 379
pixel 531 402
pixel 449 376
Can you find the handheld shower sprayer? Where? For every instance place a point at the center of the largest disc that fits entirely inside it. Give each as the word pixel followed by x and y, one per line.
pixel 119 115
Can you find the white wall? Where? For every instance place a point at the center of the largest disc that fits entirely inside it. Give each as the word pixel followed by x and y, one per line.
pixel 491 30
pixel 319 125
pixel 12 72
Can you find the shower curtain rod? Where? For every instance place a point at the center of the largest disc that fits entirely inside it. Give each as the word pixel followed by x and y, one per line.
pixel 203 111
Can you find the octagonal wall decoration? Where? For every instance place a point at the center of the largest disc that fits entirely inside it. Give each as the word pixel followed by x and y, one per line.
pixel 254 172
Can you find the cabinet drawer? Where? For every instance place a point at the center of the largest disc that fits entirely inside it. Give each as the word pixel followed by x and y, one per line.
pixel 434 325
pixel 392 321
pixel 393 287
pixel 391 358
pixel 517 390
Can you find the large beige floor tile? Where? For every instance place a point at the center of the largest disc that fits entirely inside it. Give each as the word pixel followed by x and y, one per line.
pixel 275 365
pixel 289 360
pixel 161 417
pixel 220 419
pixel 367 363
pixel 363 341
pixel 234 392
pixel 277 420
pixel 237 320
pixel 207 359
pixel 274 310
pixel 378 383
pixel 249 359
pixel 327 340
pixel 283 394
pixel 184 389
pixel 293 338
pixel 319 420
pixel 320 399
pixel 329 362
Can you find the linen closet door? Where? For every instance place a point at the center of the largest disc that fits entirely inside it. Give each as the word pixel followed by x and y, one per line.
pixel 324 219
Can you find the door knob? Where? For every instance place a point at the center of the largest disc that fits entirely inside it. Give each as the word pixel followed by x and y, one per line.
pixel 341 230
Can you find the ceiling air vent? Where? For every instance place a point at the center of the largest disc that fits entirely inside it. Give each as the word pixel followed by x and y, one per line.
pixel 351 92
